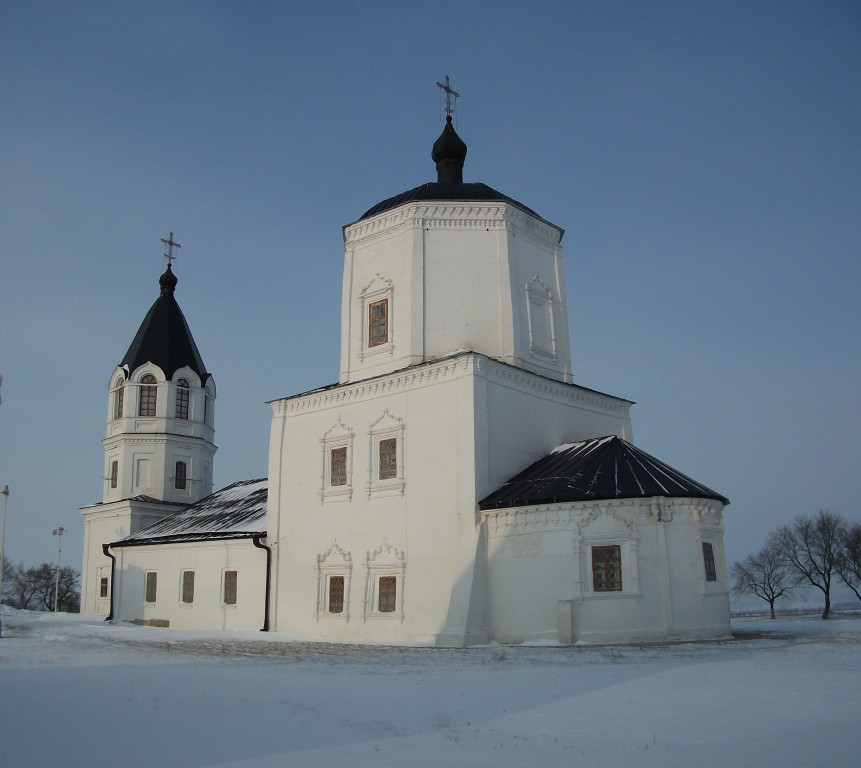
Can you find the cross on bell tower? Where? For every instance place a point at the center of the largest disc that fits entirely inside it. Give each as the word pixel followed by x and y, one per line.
pixel 169 246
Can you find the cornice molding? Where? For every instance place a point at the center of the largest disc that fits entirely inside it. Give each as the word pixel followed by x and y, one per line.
pixel 453 215
pixel 576 515
pixel 393 383
pixel 572 393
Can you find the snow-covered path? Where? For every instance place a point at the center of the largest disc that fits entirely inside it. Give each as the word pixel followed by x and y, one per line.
pixel 74 692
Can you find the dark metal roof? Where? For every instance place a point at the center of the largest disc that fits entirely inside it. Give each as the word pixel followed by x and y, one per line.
pixel 235 512
pixel 456 193
pixel 600 468
pixel 164 337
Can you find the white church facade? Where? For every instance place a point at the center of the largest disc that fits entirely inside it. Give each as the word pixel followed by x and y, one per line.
pixel 454 487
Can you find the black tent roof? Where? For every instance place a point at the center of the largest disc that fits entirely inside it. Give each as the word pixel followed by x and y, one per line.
pixel 600 468
pixel 164 338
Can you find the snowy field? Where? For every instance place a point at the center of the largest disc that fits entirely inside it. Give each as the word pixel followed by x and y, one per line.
pixel 75 692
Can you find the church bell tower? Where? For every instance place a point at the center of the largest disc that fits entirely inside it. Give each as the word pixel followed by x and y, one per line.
pixel 159 442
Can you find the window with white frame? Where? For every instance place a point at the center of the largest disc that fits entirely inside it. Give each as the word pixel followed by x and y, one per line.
pixel 115 473
pixel 118 398
pixel 386 446
pixel 335 602
pixel 337 462
pixel 182 399
pixel 709 562
pixel 334 570
pixel 607 568
pixel 384 582
pixel 150 586
pixel 187 587
pixel 180 475
pixel 229 587
pixel 148 396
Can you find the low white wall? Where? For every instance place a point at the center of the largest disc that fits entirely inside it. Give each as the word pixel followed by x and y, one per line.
pixel 208 560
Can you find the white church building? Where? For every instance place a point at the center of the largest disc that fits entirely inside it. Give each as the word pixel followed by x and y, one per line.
pixel 454 487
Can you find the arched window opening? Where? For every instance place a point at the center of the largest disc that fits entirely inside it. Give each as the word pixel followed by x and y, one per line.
pixel 182 393
pixel 148 396
pixel 118 399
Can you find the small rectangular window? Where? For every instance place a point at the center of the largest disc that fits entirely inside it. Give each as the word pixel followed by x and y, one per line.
pixel 386 594
pixel 388 458
pixel 378 323
pixel 115 470
pixel 336 594
pixel 338 468
pixel 118 403
pixel 103 586
pixel 180 475
pixel 151 586
pixel 607 569
pixel 709 562
pixel 188 587
pixel 230 583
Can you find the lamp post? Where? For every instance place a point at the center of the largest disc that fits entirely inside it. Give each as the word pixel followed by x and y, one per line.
pixel 5 491
pixel 58 532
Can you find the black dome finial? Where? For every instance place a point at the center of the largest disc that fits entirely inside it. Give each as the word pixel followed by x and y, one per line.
pixel 167 282
pixel 449 152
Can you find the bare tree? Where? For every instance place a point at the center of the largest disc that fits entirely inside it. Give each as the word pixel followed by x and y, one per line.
pixel 33 587
pixel 849 564
pixel 767 574
pixel 812 546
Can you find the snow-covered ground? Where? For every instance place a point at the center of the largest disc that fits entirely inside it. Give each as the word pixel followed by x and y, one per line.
pixel 75 692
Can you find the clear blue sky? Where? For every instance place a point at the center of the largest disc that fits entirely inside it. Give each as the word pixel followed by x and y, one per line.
pixel 704 159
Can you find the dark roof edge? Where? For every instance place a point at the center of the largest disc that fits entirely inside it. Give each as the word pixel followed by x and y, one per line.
pixel 187 537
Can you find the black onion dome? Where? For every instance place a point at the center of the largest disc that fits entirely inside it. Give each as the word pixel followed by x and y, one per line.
pixel 164 337
pixel 449 153
pixel 168 281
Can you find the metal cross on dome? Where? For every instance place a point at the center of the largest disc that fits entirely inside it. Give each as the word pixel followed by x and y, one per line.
pixel 169 246
pixel 449 92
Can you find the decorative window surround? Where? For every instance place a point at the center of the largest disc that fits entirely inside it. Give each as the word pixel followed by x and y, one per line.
pixel 382 562
pixel 626 537
pixel 336 437
pixel 384 429
pixel 376 292
pixel 539 316
pixel 334 562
